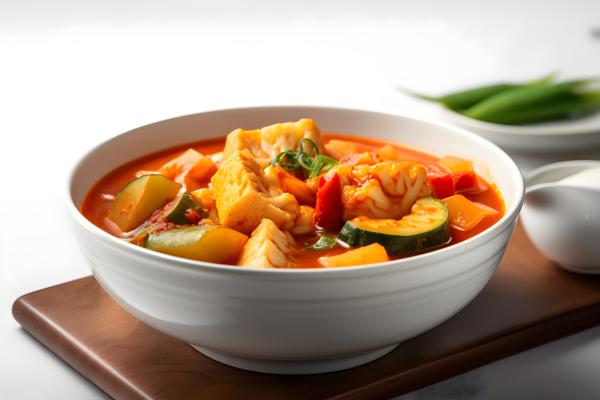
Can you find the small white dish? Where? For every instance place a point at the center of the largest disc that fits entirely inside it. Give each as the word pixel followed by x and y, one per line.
pixel 561 214
pixel 555 137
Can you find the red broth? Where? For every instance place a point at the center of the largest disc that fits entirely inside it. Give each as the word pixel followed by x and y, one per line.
pixel 97 202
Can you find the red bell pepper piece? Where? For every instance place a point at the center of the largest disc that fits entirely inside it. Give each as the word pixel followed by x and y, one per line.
pixel 464 181
pixel 442 186
pixel 468 182
pixel 329 211
pixel 447 185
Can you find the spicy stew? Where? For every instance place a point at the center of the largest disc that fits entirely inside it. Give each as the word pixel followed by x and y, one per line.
pixel 287 196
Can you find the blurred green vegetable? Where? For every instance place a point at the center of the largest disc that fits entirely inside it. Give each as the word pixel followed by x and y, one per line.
pixel 566 108
pixel 324 242
pixel 464 99
pixel 500 107
pixel 535 101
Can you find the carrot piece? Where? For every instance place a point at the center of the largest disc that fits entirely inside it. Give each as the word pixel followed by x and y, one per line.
pixel 297 187
pixel 370 254
pixel 464 214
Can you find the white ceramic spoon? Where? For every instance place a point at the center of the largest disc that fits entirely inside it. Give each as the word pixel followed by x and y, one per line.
pixel 561 214
pixel 588 178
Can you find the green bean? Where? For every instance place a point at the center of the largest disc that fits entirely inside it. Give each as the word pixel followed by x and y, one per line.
pixel 575 107
pixel 501 106
pixel 464 99
pixel 467 98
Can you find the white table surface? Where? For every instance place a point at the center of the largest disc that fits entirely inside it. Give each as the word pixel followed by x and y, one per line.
pixel 75 73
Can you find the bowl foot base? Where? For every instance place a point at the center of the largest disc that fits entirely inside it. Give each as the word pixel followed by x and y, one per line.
pixel 296 367
pixel 578 269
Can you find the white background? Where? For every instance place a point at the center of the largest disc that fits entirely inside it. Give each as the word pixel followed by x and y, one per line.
pixel 74 73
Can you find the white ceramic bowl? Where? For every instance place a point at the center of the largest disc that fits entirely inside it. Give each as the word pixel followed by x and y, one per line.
pixel 551 137
pixel 285 320
pixel 563 220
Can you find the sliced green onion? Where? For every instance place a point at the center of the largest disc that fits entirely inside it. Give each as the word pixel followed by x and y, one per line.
pixel 312 144
pixel 305 161
pixel 311 167
pixel 321 163
pixel 287 160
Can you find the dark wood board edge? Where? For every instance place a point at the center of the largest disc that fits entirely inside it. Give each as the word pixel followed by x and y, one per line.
pixel 496 347
pixel 486 352
pixel 81 359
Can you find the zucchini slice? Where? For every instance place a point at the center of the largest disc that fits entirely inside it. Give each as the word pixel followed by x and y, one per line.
pixel 177 210
pixel 136 202
pixel 198 242
pixel 426 227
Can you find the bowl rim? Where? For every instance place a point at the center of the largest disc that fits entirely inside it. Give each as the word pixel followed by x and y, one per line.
pixel 408 263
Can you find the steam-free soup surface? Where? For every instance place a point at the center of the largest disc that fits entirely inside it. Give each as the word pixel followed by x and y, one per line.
pixel 288 196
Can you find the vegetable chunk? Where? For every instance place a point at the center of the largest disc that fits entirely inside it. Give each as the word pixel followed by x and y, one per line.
pixel 203 243
pixel 455 164
pixel 328 211
pixel 136 202
pixel 290 184
pixel 371 254
pixel 465 214
pixel 426 227
pixel 184 210
pixel 190 165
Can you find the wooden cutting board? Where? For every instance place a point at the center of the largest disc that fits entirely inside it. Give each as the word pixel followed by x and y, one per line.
pixel 529 301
